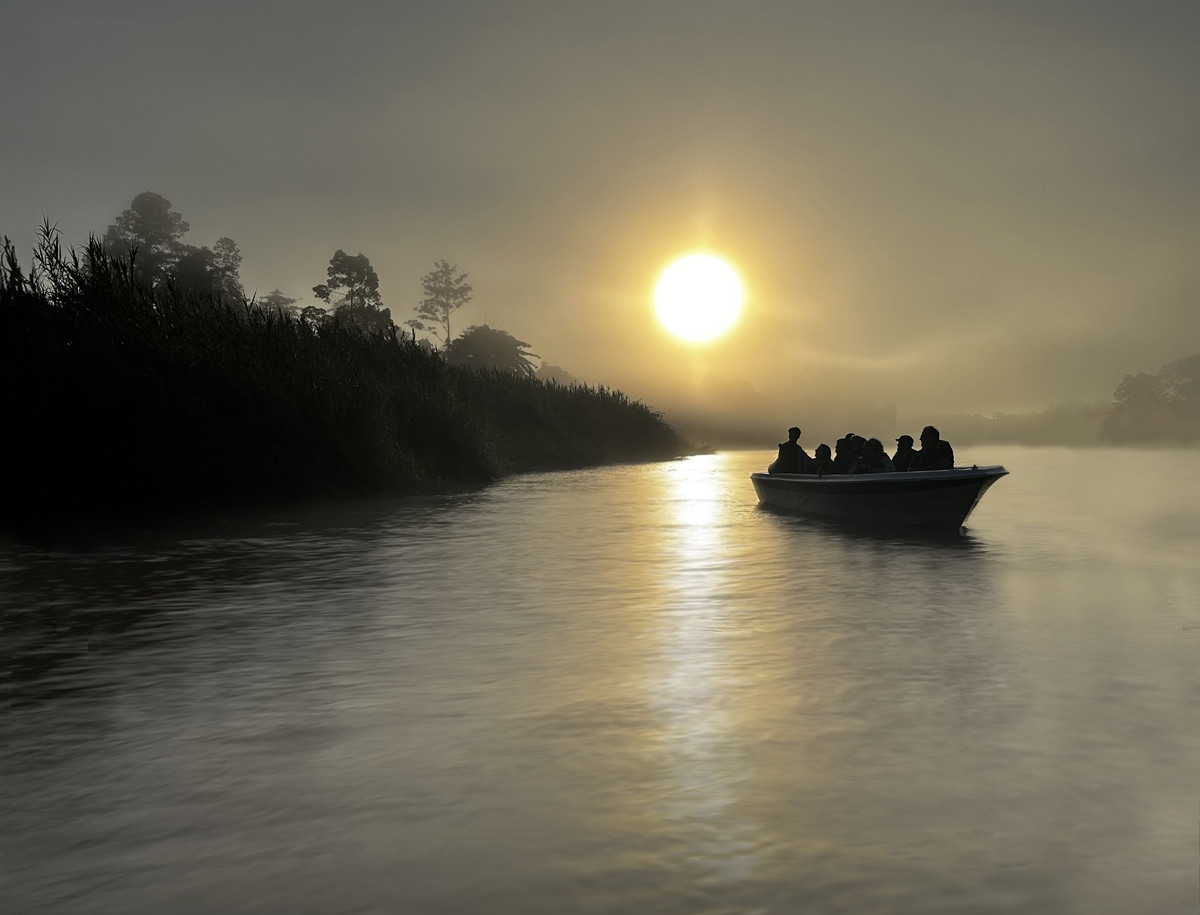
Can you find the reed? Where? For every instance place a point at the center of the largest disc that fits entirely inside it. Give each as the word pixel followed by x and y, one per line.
pixel 118 398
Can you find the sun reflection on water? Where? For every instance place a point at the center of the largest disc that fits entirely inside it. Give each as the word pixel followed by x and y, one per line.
pixel 696 679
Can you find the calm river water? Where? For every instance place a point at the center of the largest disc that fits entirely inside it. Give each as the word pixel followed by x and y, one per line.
pixel 623 690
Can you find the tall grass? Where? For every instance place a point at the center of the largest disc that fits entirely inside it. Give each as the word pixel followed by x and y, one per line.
pixel 115 398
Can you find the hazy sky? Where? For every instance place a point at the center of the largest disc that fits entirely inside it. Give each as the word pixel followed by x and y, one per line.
pixel 938 206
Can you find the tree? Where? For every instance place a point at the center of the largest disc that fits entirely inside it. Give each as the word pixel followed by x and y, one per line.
pixel 445 293
pixel 151 232
pixel 1163 406
pixel 1181 381
pixel 483 347
pixel 193 271
pixel 314 314
pixel 226 267
pixel 1144 411
pixel 352 280
pixel 353 290
pixel 367 318
pixel 277 301
pixel 152 229
pixel 212 271
pixel 556 374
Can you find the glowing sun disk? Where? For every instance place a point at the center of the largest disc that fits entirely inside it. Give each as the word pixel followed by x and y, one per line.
pixel 698 297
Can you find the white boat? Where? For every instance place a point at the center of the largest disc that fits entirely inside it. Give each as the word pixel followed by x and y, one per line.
pixel 927 498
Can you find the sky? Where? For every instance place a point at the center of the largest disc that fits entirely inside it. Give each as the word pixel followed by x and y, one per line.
pixel 933 207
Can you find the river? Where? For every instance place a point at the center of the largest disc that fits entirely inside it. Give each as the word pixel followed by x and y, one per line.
pixel 619 690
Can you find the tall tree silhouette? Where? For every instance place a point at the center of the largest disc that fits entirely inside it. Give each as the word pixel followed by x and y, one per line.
pixel 352 280
pixel 226 267
pixel 446 291
pixel 353 290
pixel 151 228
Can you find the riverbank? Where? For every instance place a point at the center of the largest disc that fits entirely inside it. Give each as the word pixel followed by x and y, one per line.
pixel 125 400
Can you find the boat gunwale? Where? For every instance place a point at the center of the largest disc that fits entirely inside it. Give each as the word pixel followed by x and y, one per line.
pixel 958 474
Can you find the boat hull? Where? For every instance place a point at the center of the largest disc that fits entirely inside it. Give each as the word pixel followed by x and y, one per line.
pixel 939 499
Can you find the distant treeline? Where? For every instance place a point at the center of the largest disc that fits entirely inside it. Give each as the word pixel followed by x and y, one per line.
pixel 1146 409
pixel 117 397
pixel 1163 407
pixel 1076 424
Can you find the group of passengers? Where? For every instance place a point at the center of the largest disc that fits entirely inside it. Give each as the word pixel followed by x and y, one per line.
pixel 855 454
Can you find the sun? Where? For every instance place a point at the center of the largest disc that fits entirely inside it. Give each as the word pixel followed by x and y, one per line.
pixel 698 297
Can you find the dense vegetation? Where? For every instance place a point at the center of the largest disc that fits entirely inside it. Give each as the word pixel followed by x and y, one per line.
pixel 1164 406
pixel 120 396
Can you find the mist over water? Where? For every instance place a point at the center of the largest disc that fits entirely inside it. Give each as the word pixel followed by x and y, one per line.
pixel 617 690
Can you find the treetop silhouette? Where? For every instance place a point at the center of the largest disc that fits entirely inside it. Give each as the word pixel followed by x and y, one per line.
pixel 353 290
pixel 446 291
pixel 150 234
pixel 483 347
pixel 151 229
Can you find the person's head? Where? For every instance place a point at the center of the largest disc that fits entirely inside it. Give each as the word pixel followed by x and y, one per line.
pixel 930 436
pixel 873 446
pixel 794 434
pixel 905 442
pixel 823 451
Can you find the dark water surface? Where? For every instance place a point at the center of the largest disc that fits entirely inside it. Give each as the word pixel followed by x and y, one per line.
pixel 617 690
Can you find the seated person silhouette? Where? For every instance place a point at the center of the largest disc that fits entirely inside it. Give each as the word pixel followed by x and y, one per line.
pixel 846 452
pixel 904 455
pixel 873 459
pixel 822 459
pixel 792 458
pixel 935 454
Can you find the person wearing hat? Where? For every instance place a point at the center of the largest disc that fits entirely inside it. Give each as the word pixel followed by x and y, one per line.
pixel 792 458
pixel 904 455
